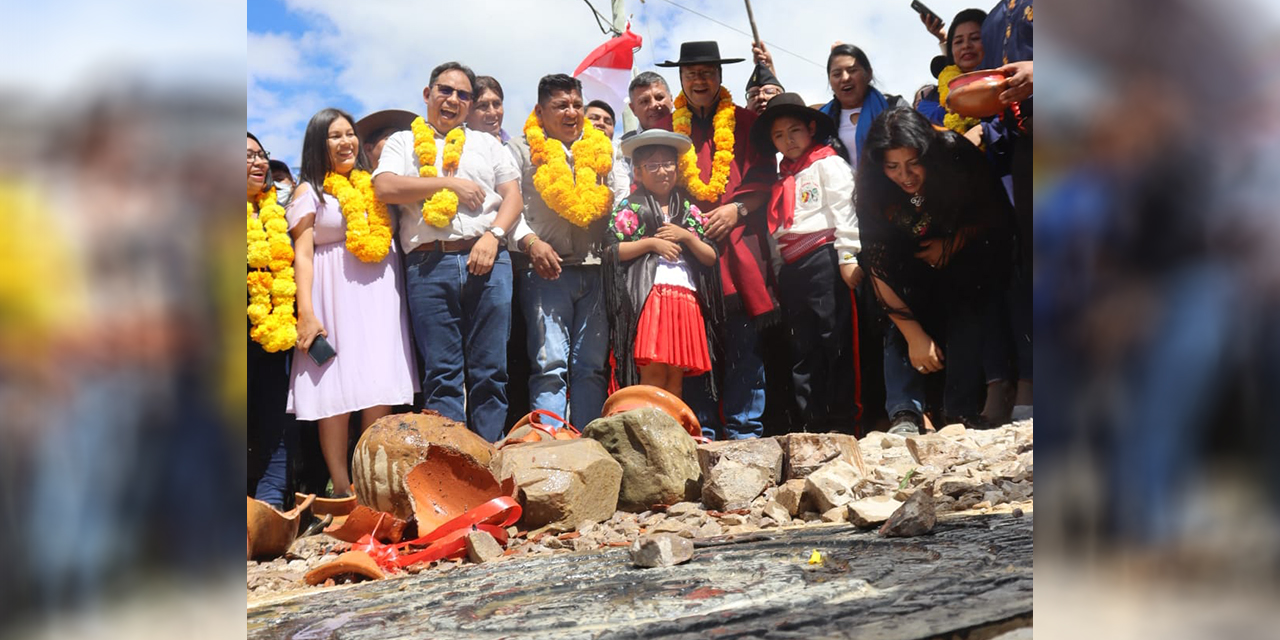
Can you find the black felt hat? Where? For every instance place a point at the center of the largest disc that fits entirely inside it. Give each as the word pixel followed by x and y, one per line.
pixel 699 52
pixel 762 76
pixel 788 104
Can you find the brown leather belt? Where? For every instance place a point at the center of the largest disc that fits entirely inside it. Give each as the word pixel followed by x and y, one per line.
pixel 448 246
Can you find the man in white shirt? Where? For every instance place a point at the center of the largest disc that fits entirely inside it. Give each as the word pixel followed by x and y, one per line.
pixel 561 291
pixel 458 276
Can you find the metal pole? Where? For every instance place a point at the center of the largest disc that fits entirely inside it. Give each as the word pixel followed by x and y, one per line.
pixel 629 122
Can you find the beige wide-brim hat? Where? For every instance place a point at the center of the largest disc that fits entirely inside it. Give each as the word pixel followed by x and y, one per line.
pixel 397 119
pixel 679 142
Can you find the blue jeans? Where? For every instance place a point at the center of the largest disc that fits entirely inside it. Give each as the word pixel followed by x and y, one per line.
pixel 743 392
pixel 568 342
pixel 461 323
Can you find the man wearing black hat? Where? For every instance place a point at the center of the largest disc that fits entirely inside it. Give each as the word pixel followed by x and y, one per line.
pixel 763 84
pixel 731 182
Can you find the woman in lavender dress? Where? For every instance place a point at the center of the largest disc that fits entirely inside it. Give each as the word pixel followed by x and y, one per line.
pixel 357 306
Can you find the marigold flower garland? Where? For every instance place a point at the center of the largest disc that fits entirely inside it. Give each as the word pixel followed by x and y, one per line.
pixel 368 225
pixel 271 292
pixel 439 209
pixel 576 194
pixel 723 123
pixel 953 120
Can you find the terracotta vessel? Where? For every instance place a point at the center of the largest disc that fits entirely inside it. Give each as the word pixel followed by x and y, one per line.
pixel 351 562
pixel 270 532
pixel 643 395
pixel 395 444
pixel 363 520
pixel 331 506
pixel 977 94
pixel 447 484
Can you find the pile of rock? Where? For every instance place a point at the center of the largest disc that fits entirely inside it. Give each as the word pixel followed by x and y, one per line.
pixel 639 473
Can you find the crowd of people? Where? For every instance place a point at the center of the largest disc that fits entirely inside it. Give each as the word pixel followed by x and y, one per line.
pixel 857 264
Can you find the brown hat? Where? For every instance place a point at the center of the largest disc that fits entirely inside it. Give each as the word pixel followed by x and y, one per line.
pixel 788 104
pixel 395 119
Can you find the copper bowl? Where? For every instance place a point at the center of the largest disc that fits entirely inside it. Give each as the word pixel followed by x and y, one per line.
pixel 977 94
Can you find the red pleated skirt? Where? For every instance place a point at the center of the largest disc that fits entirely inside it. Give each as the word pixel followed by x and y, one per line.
pixel 671 331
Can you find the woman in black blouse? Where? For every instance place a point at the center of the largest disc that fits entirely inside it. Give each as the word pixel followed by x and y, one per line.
pixel 935 230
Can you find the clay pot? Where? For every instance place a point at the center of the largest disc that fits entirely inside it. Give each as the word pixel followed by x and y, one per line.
pixel 395 444
pixel 530 428
pixel 270 532
pixel 977 94
pixel 351 562
pixel 642 395
pixel 448 484
pixel 331 506
pixel 363 520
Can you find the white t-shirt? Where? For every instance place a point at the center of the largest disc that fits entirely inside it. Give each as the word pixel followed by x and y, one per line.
pixel 848 133
pixel 673 272
pixel 484 161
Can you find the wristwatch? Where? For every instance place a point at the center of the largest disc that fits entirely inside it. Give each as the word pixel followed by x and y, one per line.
pixel 742 209
pixel 498 232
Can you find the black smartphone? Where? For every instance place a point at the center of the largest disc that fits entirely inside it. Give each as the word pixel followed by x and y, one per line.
pixel 924 11
pixel 321 351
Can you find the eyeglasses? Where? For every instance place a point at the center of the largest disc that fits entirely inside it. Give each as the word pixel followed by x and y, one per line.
pixel 254 155
pixel 654 167
pixel 446 91
pixel 698 75
pixel 766 93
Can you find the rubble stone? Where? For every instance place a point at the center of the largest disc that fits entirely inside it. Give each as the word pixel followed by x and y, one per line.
pixel 939 451
pixel 562 482
pixel 836 514
pixel 777 513
pixel 682 508
pixel 831 486
pixel 869 512
pixel 733 485
pixel 805 453
pixel 764 453
pixel 954 484
pixel 952 430
pixel 661 550
pixel 482 547
pixel 915 517
pixel 658 457
pixel 791 495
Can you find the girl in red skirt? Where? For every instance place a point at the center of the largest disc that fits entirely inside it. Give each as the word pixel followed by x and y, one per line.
pixel 661 284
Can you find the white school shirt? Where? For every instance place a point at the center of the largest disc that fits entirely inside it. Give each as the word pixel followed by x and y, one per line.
pixel 484 161
pixel 824 200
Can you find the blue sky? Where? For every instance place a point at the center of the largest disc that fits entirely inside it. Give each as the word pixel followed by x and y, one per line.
pixel 305 55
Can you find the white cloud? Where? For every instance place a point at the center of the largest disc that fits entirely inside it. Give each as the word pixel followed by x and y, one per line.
pixel 383 53
pixel 276 57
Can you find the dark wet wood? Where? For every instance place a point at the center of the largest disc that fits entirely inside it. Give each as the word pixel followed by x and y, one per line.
pixel 970 573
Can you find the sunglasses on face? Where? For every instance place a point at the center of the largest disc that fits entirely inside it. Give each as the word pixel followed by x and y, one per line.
pixel 446 91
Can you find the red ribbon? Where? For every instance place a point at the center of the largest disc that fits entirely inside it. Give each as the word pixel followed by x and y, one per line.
pixel 449 539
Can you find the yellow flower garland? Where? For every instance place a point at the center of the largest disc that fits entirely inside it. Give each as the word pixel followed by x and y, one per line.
pixel 271 292
pixel 723 123
pixel 368 225
pixel 439 209
pixel 953 120
pixel 582 201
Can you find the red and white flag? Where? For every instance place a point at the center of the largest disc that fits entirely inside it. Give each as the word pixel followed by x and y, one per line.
pixel 606 72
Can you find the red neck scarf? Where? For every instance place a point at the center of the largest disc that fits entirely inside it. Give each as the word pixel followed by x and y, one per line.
pixel 782 202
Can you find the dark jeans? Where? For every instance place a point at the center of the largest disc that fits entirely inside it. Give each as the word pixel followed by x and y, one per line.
pixel 816 308
pixel 960 336
pixel 273 433
pixel 743 393
pixel 1020 291
pixel 461 323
